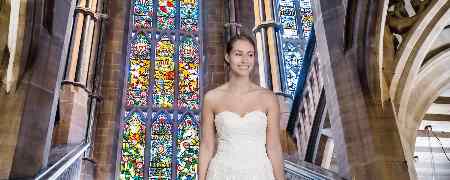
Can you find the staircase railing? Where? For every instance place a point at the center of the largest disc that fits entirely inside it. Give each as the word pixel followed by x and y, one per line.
pixel 308 171
pixel 66 168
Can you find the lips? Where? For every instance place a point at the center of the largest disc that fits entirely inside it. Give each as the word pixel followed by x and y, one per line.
pixel 243 66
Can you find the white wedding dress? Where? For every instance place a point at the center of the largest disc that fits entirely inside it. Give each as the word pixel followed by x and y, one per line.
pixel 241 148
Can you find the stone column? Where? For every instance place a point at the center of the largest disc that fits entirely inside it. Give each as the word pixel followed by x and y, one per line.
pixel 42 83
pixel 91 12
pixel 363 126
pixel 76 40
pixel 260 43
pixel 77 89
pixel 5 9
pixel 272 45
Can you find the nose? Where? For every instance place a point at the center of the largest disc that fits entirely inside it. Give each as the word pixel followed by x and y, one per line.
pixel 246 58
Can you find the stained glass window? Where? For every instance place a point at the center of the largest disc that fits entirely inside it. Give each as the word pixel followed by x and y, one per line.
pixel 133 145
pixel 307 17
pixel 188 147
pixel 139 65
pixel 166 14
pixel 189 15
pixel 142 13
pixel 288 18
pixel 188 67
pixel 296 20
pixel 162 91
pixel 161 146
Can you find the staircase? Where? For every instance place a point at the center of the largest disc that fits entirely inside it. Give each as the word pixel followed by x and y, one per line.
pixel 68 167
pixel 307 171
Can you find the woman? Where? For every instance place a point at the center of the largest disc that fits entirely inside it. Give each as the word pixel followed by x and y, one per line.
pixel 240 123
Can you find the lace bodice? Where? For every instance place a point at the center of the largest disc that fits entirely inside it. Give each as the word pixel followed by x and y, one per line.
pixel 241 147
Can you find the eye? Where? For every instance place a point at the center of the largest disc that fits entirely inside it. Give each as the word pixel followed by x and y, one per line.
pixel 238 54
pixel 251 55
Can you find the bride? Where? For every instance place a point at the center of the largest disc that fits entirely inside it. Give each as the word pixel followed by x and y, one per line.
pixel 240 123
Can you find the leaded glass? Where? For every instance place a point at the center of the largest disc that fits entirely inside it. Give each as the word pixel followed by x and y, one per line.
pixel 294 37
pixel 188 68
pixel 293 56
pixel 140 46
pixel 163 69
pixel 133 145
pixel 188 147
pixel 138 82
pixel 166 14
pixel 143 8
pixel 161 146
pixel 163 91
pixel 288 19
pixel 189 14
pixel 307 17
pixel 143 11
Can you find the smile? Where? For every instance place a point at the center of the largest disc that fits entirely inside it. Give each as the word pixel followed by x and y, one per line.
pixel 244 66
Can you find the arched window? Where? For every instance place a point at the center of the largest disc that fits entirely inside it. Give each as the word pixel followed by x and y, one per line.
pixel 296 20
pixel 159 134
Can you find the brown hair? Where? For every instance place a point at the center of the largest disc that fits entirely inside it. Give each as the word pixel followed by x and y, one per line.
pixel 235 38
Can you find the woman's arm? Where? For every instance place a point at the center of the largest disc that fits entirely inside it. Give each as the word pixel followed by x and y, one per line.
pixel 207 137
pixel 274 150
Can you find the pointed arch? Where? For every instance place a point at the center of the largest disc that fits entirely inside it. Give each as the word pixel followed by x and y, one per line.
pixel 163 79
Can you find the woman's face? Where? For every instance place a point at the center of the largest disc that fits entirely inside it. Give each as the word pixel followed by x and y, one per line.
pixel 241 58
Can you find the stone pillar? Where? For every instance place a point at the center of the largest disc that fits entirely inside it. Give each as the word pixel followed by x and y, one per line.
pixel 329 20
pixel 42 80
pixel 363 126
pixel 77 89
pixel 106 137
pixel 5 9
pixel 73 100
pixel 76 41
pixel 260 44
pixel 272 46
pixel 91 11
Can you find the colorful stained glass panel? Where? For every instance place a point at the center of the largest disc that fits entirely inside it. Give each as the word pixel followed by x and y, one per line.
pixel 307 17
pixel 159 52
pixel 133 145
pixel 189 14
pixel 188 148
pixel 288 18
pixel 161 146
pixel 166 14
pixel 142 14
pixel 294 37
pixel 188 68
pixel 143 7
pixel 140 46
pixel 138 82
pixel 163 91
pixel 293 56
pixel 142 22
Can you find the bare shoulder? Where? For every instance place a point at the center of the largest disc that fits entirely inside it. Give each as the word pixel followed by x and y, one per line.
pixel 213 95
pixel 267 94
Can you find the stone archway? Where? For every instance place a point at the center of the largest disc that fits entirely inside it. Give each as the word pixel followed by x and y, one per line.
pixel 418 70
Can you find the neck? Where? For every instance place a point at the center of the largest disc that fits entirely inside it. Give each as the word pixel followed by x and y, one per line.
pixel 239 84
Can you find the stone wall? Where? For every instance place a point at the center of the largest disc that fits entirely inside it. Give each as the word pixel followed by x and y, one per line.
pixel 106 128
pixel 39 73
pixel 214 43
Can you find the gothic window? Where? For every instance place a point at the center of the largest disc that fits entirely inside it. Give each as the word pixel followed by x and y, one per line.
pixel 159 134
pixel 296 20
